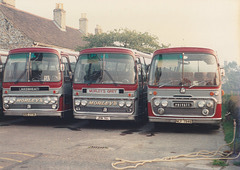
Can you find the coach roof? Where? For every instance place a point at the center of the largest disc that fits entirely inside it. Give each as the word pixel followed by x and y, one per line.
pixel 185 50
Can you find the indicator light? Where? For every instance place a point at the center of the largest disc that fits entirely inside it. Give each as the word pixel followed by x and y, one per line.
pixel 130 94
pixel 222 92
pixel 211 93
pixel 55 91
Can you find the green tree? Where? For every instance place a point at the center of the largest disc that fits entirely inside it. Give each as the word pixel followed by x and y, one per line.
pixel 232 78
pixel 124 38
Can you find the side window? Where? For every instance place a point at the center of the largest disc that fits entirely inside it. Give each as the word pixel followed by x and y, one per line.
pixel 139 69
pixel 73 61
pixel 66 66
pixel 143 69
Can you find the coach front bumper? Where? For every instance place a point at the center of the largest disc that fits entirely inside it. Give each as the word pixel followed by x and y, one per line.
pixel 31 113
pixel 186 120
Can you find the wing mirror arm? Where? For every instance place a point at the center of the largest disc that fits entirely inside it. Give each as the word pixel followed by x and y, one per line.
pixel 62 67
pixel 222 72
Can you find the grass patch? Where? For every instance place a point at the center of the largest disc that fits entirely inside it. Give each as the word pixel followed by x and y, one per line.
pixel 219 163
pixel 227 123
pixel 228 130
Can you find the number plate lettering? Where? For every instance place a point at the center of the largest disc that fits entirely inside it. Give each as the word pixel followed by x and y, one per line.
pixel 182 105
pixel 183 121
pixel 102 118
pixel 29 114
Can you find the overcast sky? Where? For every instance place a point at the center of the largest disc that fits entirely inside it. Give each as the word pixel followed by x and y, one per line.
pixel 203 23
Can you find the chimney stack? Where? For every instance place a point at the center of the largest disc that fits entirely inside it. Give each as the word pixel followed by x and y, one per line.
pixel 83 24
pixel 98 29
pixel 59 16
pixel 8 2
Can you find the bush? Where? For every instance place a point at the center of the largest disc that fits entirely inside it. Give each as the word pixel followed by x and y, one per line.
pixel 234 106
pixel 231 104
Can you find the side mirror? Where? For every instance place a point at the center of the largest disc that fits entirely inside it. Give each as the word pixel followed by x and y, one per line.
pixel 62 67
pixel 70 75
pixel 222 72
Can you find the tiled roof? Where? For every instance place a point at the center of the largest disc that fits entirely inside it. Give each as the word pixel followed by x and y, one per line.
pixel 42 30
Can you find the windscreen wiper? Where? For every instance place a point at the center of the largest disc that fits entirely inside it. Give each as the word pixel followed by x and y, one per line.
pixel 165 84
pixel 38 80
pixel 109 75
pixel 198 83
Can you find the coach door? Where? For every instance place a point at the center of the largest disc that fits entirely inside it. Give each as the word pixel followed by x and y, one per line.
pixel 67 85
pixel 141 84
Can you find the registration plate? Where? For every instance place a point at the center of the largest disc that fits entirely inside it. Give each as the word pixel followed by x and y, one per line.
pixel 182 105
pixel 184 121
pixel 102 118
pixel 29 114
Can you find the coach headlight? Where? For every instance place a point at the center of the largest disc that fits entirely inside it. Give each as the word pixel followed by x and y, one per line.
pixel 201 104
pixel 6 100
pixel 121 103
pixel 205 112
pixel 53 100
pixel 84 102
pixel 6 106
pixel 156 102
pixel 161 111
pixel 47 100
pixel 164 103
pixel 209 103
pixel 129 103
pixel 54 106
pixel 77 102
pixel 12 100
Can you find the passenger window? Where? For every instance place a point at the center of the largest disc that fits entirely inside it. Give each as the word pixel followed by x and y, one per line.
pixel 139 69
